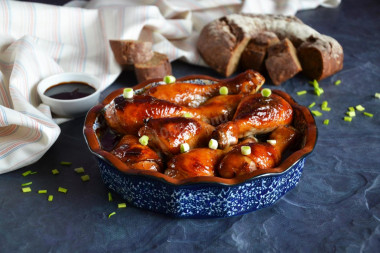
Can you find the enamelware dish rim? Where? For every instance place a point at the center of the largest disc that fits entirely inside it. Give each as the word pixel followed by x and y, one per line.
pixel 292 159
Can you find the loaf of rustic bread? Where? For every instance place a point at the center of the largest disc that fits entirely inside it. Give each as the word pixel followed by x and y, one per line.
pixel 157 67
pixel 222 41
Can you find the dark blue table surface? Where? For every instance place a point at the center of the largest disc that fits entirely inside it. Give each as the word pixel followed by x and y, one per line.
pixel 334 208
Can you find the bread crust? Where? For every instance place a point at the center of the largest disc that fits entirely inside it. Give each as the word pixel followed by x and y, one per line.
pixel 220 47
pixel 129 52
pixel 157 67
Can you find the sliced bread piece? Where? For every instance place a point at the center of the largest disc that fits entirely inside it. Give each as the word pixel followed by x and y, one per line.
pixel 157 67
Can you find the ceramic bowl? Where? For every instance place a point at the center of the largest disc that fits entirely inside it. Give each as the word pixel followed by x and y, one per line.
pixel 73 107
pixel 202 197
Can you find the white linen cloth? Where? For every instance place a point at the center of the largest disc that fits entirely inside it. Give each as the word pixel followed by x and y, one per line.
pixel 38 40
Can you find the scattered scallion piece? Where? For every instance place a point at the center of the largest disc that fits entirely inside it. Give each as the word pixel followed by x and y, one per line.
pixel 79 170
pixel 184 147
pixel 351 113
pixel 26 173
pixel 42 191
pixel 327 109
pixel 61 189
pixel 312 105
pixel 223 90
pixel 144 140
pixel 111 214
pixel 121 205
pixel 66 163
pixel 337 82
pixel 169 79
pixel 314 83
pixel 55 171
pixel 245 150
pixel 213 144
pixel 272 142
pixel 347 118
pixel 266 92
pixel 326 121
pixel 128 93
pixel 351 109
pixel 324 104
pixel 318 91
pixel 26 189
pixel 187 115
pixel 85 178
pixel 109 197
pixel 50 198
pixel 26 184
pixel 33 172
pixel 359 108
pixel 368 114
pixel 316 113
pixel 302 92
pixel 377 95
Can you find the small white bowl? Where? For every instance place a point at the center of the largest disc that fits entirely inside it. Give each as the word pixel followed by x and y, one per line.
pixel 72 107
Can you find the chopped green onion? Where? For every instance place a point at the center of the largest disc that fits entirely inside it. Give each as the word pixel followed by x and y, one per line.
pixel 312 105
pixel 121 205
pixel 351 109
pixel 26 173
pixel 318 91
pixel 111 214
pixel 351 113
pixel 272 142
pixel 79 170
pixel 109 197
pixel 42 191
pixel 348 119
pixel 245 150
pixel 184 147
pixel 26 184
pixel 302 92
pixel 187 115
pixel 26 189
pixel 266 92
pixel 377 95
pixel 324 104
pixel 326 121
pixel 50 198
pixel 327 109
pixel 66 163
pixel 61 189
pixel 85 178
pixel 33 172
pixel 316 113
pixel 128 93
pixel 368 114
pixel 223 90
pixel 213 144
pixel 144 140
pixel 314 83
pixel 359 108
pixel 337 82
pixel 55 171
pixel 169 79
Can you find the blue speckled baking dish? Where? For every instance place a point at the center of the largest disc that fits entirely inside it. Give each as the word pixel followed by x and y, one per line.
pixel 202 197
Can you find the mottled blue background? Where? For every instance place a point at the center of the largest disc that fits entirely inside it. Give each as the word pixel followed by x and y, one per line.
pixel 334 208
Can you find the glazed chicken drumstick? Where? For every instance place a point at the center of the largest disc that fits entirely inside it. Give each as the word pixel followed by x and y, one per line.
pixel 137 156
pixel 167 134
pixel 262 156
pixel 193 95
pixel 255 114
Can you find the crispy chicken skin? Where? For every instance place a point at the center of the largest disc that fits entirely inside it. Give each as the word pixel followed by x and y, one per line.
pixel 263 155
pixel 167 134
pixel 193 95
pixel 196 162
pixel 255 114
pixel 137 156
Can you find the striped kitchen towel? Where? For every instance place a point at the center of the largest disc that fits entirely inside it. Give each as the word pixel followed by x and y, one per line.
pixel 38 40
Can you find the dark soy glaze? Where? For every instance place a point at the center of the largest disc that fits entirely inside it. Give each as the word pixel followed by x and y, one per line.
pixel 69 90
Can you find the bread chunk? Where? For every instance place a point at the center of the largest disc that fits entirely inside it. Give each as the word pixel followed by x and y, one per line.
pixel 157 67
pixel 254 54
pixel 129 52
pixel 282 63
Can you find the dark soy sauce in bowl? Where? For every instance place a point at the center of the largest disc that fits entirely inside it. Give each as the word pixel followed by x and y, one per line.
pixel 69 90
